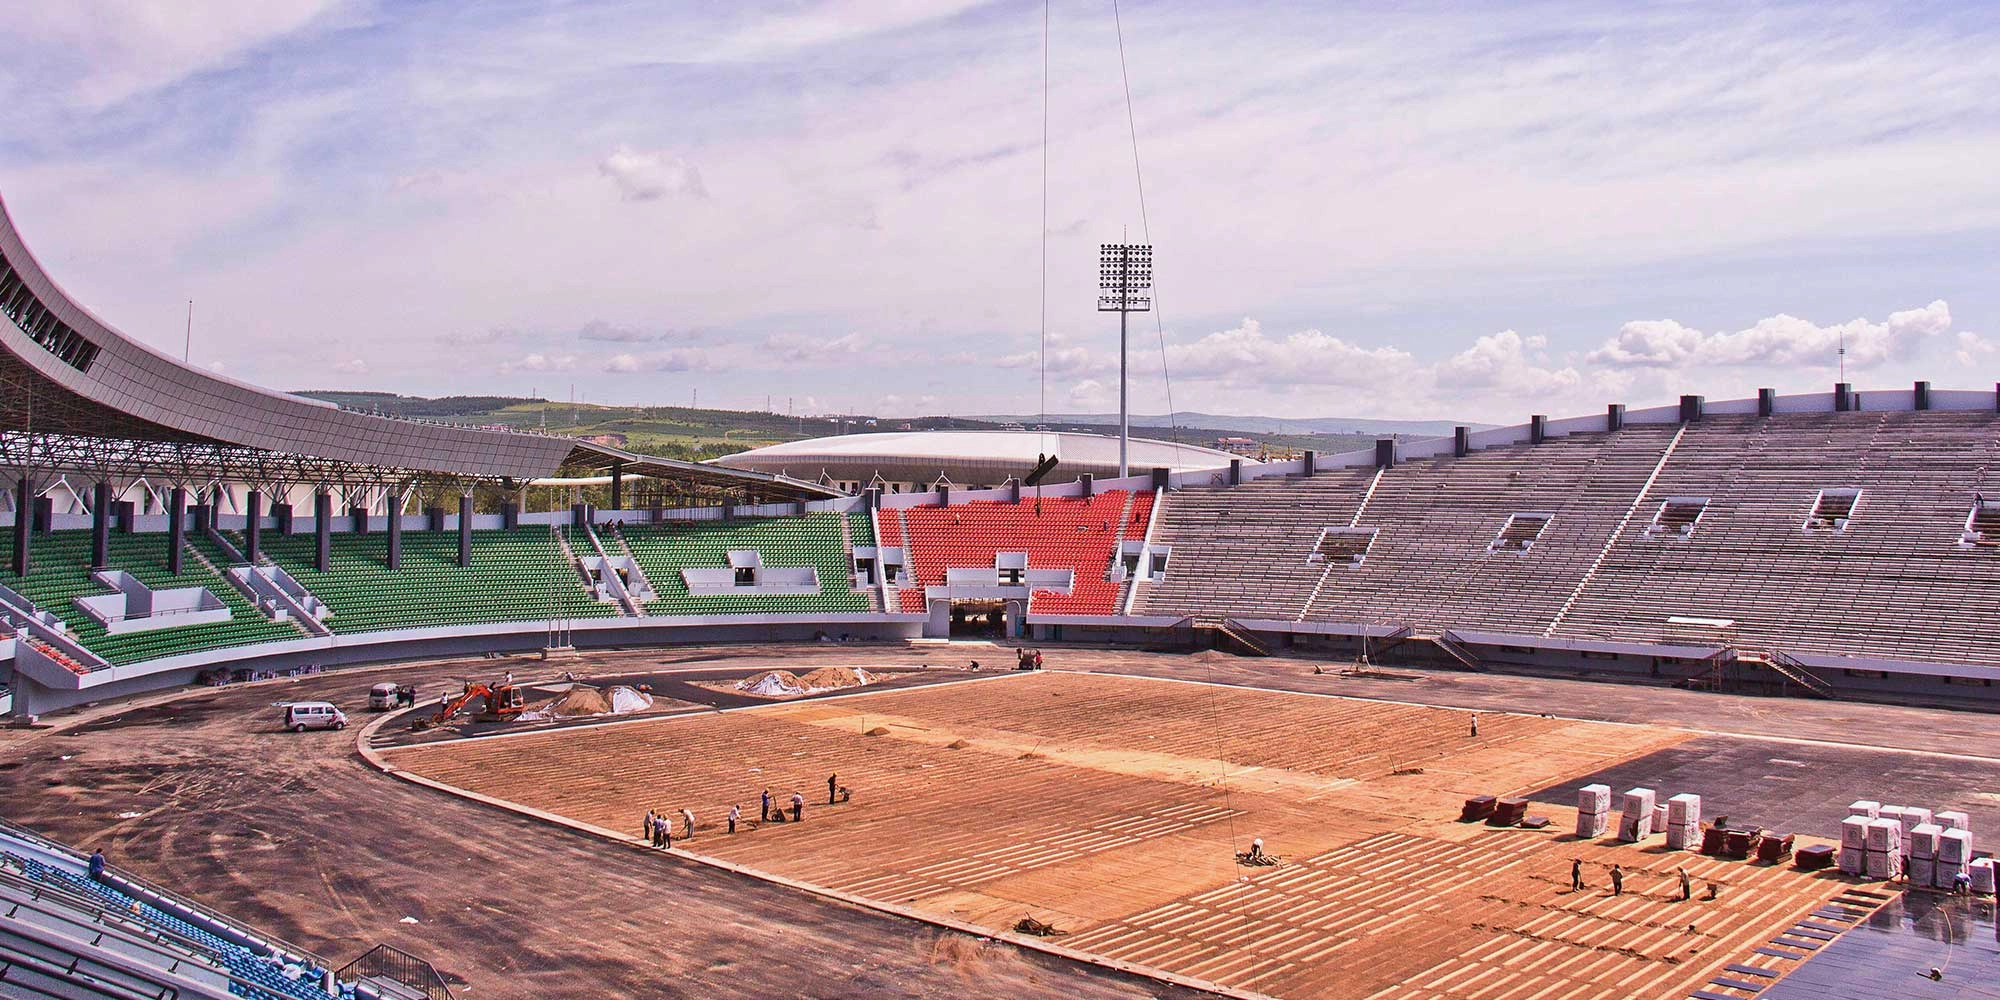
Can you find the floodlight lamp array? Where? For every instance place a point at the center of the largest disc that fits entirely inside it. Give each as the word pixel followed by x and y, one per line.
pixel 1125 277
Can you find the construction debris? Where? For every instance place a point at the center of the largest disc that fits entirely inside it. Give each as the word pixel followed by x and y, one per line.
pixel 1029 925
pixel 1256 859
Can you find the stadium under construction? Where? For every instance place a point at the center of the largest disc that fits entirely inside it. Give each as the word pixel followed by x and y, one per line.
pixel 1355 724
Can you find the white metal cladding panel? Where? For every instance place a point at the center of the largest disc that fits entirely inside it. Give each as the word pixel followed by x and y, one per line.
pixel 135 380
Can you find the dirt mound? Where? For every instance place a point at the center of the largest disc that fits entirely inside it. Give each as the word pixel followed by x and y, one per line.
pixel 835 678
pixel 772 684
pixel 957 745
pixel 877 731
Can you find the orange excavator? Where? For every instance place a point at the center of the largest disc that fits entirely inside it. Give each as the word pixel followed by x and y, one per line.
pixel 503 701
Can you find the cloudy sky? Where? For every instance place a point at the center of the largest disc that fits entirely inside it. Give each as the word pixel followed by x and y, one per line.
pixel 1388 210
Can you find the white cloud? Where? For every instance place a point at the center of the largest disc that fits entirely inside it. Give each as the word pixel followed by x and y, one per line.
pixel 680 359
pixel 795 348
pixel 538 362
pixel 138 47
pixel 1091 394
pixel 1506 362
pixel 1975 351
pixel 352 366
pixel 1245 355
pixel 474 338
pixel 1781 340
pixel 1065 358
pixel 651 176
pixel 897 405
pixel 598 329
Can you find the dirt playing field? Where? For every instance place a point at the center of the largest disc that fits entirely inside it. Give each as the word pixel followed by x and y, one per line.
pixel 1111 807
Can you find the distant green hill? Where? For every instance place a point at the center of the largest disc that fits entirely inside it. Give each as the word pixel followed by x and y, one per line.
pixel 691 434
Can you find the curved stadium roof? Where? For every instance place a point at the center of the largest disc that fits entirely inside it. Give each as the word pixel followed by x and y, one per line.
pixel 65 372
pixel 966 456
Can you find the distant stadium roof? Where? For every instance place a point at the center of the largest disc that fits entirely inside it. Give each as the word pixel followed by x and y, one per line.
pixel 67 377
pixel 966 457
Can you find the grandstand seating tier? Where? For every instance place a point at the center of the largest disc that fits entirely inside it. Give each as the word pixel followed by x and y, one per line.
pixel 815 540
pixel 61 573
pixel 517 575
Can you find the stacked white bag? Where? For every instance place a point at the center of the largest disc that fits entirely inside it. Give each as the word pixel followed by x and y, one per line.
pixel 1885 849
pixel 1636 822
pixel 1684 822
pixel 1853 857
pixel 1982 875
pixel 1953 820
pixel 1593 811
pixel 1913 817
pixel 1866 808
pixel 1954 853
pixel 1923 848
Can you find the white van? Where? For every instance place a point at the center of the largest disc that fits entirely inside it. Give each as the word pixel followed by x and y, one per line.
pixel 382 697
pixel 303 715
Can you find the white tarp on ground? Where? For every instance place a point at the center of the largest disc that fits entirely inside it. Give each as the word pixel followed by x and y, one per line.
pixel 625 700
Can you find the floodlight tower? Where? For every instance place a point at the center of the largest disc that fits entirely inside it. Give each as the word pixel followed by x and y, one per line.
pixel 1124 286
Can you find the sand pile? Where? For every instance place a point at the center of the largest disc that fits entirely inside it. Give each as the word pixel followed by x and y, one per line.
pixel 835 678
pixel 772 684
pixel 877 731
pixel 580 699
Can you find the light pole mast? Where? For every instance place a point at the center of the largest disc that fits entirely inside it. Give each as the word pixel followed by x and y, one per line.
pixel 1124 286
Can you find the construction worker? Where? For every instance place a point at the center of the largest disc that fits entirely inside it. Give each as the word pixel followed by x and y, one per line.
pixel 1256 848
pixel 765 815
pixel 1576 874
pixel 832 786
pixel 1475 725
pixel 97 864
pixel 651 832
pixel 734 811
pixel 666 832
pixel 1687 885
pixel 687 824
pixel 798 807
pixel 1617 881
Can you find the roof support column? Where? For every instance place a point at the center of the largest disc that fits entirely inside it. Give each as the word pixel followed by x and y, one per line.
pixel 322 529
pixel 176 528
pixel 100 525
pixel 24 513
pixel 395 550
pixel 253 509
pixel 465 529
pixel 618 486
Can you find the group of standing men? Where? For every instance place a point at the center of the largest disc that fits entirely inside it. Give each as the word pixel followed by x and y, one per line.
pixel 659 825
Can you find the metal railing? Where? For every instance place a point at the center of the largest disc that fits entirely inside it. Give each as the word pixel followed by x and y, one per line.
pixel 384 962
